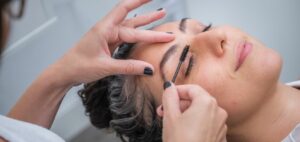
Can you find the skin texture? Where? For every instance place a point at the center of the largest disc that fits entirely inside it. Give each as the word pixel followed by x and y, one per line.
pixel 215 58
pixel 251 95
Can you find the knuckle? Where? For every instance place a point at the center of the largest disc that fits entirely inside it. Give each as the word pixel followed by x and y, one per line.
pixel 205 101
pixel 124 4
pixel 193 89
pixel 128 35
pixel 129 68
pixel 126 23
pixel 130 23
pixel 151 16
pixel 213 101
pixel 197 88
pixel 194 86
pixel 209 101
pixel 223 113
pixel 154 38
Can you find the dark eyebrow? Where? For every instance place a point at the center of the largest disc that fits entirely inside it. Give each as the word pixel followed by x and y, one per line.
pixel 165 58
pixel 172 49
pixel 182 25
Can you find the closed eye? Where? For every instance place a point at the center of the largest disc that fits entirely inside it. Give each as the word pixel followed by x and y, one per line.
pixel 190 66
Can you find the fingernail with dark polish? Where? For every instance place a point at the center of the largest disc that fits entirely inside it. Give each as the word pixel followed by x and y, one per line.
pixel 135 15
pixel 159 9
pixel 170 32
pixel 148 71
pixel 167 84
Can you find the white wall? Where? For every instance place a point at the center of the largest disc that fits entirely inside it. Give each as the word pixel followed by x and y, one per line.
pixel 274 22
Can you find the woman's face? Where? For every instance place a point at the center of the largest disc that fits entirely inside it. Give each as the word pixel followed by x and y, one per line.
pixel 232 66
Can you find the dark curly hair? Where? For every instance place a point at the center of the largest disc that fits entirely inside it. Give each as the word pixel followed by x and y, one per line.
pixel 123 104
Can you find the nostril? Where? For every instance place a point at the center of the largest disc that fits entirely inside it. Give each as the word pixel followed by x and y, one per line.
pixel 221 48
pixel 222 44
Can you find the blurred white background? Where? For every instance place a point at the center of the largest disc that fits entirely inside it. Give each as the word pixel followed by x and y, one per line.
pixel 50 27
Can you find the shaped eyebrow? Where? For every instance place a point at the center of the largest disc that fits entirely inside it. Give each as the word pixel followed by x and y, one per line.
pixel 171 50
pixel 182 25
pixel 165 58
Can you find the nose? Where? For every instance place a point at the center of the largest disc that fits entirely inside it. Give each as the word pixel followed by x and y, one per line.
pixel 211 41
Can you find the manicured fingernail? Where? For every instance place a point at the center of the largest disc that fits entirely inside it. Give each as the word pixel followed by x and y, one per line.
pixel 159 9
pixel 167 84
pixel 170 32
pixel 148 71
pixel 135 15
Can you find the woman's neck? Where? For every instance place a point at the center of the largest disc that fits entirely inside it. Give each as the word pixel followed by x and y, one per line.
pixel 273 121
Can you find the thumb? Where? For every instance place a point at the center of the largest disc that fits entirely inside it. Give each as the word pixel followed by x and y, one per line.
pixel 171 102
pixel 130 67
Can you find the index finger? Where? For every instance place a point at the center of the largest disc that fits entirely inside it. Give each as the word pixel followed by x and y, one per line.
pixel 119 13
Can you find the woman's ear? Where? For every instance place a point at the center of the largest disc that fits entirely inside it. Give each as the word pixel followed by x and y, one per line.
pixel 160 111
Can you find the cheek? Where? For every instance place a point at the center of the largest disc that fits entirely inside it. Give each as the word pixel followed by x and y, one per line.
pixel 266 65
pixel 220 85
pixel 210 75
pixel 241 95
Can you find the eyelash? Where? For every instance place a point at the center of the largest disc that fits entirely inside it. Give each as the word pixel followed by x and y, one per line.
pixel 189 68
pixel 207 27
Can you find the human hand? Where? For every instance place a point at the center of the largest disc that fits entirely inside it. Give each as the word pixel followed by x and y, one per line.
pixel 202 121
pixel 91 60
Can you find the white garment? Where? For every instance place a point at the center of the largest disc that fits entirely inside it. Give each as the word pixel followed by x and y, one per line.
pixel 295 84
pixel 18 131
pixel 294 136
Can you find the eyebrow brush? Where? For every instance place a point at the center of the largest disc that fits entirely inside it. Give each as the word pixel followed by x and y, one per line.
pixel 181 60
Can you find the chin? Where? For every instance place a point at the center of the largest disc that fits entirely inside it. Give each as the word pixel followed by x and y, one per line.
pixel 269 70
pixel 273 65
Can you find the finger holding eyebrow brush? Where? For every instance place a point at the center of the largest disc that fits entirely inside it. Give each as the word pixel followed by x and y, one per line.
pixel 203 115
pixel 203 120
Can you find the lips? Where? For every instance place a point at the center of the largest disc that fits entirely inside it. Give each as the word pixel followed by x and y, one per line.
pixel 244 50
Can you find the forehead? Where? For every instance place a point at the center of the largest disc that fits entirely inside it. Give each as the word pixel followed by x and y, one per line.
pixel 151 51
